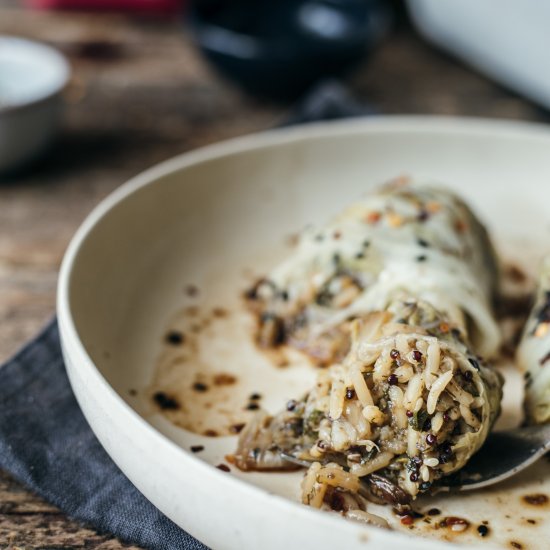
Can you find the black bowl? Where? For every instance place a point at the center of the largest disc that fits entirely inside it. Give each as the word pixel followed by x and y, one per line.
pixel 279 48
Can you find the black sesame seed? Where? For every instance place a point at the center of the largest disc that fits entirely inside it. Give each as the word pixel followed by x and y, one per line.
pixel 199 386
pixel 423 215
pixel 197 448
pixel 165 402
pixel 392 379
pixel 413 476
pixel 255 396
pixel 434 512
pixel 291 405
pixel 474 363
pixel 483 530
pixel 350 393
pixel 467 374
pixel 253 406
pixel 175 338
pixel 431 439
pixel 284 295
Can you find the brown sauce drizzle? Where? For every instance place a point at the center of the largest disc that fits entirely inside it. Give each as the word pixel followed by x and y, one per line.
pixel 537 499
pixel 224 379
pixel 165 401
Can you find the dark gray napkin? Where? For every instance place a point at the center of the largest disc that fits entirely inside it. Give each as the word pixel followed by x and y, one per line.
pixel 46 443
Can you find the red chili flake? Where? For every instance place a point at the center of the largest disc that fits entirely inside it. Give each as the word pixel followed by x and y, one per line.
pixel 393 380
pixel 373 217
pixel 461 226
pixel 417 355
pixel 197 448
pixel 394 354
pixel 446 417
pixel 409 414
pixel 407 520
pixel 223 467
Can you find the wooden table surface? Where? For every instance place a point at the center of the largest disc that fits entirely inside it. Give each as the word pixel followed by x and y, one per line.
pixel 141 93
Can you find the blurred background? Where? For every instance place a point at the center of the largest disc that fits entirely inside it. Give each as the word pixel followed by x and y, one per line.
pixel 106 88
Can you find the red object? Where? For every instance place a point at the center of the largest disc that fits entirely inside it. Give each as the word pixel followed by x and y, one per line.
pixel 140 6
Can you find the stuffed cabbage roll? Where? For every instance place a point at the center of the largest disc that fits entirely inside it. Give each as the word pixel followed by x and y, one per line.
pixel 395 296
pixel 534 352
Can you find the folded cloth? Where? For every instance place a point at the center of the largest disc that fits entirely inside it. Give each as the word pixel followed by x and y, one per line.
pixel 46 443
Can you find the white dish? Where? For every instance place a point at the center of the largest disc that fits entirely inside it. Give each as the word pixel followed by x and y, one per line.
pixel 209 217
pixel 505 39
pixel 32 76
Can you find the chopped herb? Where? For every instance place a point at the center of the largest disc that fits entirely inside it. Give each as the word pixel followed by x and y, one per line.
pixel 422 242
pixel 421 258
pixel 418 419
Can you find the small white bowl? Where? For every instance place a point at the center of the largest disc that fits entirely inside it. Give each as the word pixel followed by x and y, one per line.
pixel 32 77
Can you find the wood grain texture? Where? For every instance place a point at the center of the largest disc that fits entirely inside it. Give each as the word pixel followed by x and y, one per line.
pixel 140 93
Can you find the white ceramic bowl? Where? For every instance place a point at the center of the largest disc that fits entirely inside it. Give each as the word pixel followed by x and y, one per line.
pixel 209 217
pixel 32 77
